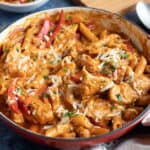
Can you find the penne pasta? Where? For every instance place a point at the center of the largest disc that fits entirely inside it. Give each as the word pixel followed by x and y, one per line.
pixel 87 33
pixel 139 70
pixel 64 75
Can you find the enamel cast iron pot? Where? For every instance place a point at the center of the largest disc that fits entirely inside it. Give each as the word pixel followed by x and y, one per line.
pixel 111 22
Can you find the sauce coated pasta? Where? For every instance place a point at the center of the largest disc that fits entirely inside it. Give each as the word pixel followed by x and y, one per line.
pixel 64 76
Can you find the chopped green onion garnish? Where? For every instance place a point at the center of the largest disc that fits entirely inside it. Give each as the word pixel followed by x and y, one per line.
pixel 119 97
pixel 68 17
pixel 124 55
pixel 54 92
pixel 70 114
pixel 18 90
pixel 65 70
pixel 46 95
pixel 51 62
pixel 58 61
pixel 112 108
pixel 34 58
pixel 45 77
pixel 17 49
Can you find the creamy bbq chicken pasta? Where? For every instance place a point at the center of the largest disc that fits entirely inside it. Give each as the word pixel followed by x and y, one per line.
pixel 17 1
pixel 64 76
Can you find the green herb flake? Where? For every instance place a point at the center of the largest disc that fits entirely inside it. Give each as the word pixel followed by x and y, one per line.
pixel 129 79
pixel 59 36
pixel 124 55
pixel 45 77
pixel 54 92
pixel 106 71
pixel 51 62
pixel 119 97
pixel 18 90
pixel 105 64
pixel 65 70
pixel 34 59
pixel 17 49
pixel 103 81
pixel 113 108
pixel 46 95
pixel 112 69
pixel 68 17
pixel 58 61
pixel 70 114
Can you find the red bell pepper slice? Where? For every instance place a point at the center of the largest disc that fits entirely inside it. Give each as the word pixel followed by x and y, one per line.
pixel 129 46
pixel 22 1
pixel 58 27
pixel 15 102
pixel 76 77
pixel 91 25
pixel 45 29
pixel 22 106
pixel 15 32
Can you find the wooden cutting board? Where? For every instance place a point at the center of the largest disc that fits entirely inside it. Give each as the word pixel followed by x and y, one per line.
pixel 116 6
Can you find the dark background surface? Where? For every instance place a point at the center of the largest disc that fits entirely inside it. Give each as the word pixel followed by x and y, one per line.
pixel 11 141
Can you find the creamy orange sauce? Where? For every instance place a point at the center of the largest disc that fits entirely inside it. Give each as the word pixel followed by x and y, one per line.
pixel 65 76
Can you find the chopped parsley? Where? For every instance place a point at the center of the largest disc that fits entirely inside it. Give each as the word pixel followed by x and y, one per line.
pixel 68 17
pixel 124 55
pixel 112 108
pixel 65 70
pixel 18 90
pixel 128 79
pixel 34 58
pixel 45 77
pixel 46 95
pixel 59 37
pixel 54 62
pixel 103 81
pixel 54 92
pixel 51 62
pixel 58 61
pixel 70 114
pixel 17 49
pixel 108 68
pixel 119 97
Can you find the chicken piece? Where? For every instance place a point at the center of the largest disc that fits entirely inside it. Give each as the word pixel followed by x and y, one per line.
pixel 98 109
pixel 18 118
pixel 130 113
pixel 18 64
pixel 117 122
pixel 99 131
pixel 143 100
pixel 41 113
pixel 59 129
pixel 123 94
pixel 81 120
pixel 92 84
pixel 141 84
pixel 82 132
pixel 90 64
pixel 100 46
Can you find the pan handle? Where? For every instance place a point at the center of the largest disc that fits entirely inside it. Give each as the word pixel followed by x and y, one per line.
pixel 146 120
